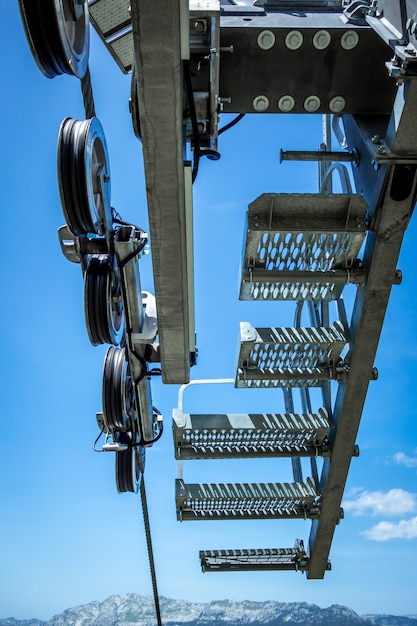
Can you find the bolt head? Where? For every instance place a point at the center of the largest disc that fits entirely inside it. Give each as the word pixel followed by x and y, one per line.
pixel 260 103
pixel 266 39
pixel 199 26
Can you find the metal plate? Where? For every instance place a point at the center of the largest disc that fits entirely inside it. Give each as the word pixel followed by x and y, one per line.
pixel 304 72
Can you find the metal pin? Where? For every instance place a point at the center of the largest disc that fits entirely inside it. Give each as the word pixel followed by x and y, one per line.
pixel 314 155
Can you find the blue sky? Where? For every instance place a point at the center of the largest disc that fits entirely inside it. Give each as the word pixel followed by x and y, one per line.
pixel 66 536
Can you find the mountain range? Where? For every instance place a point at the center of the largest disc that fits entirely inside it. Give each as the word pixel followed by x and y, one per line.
pixel 135 610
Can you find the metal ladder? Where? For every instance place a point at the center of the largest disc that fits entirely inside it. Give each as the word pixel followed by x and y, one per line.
pixel 301 248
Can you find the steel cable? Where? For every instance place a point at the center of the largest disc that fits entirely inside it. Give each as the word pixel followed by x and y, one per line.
pixel 87 91
pixel 150 550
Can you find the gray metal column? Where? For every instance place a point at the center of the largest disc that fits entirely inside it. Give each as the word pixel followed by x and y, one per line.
pixel 157 52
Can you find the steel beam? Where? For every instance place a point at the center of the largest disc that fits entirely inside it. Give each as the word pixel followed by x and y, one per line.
pixel 157 57
pixel 390 220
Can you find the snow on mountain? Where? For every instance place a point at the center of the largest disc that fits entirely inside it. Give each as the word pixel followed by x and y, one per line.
pixel 134 610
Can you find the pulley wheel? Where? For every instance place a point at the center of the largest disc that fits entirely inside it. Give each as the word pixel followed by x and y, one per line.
pixel 128 466
pixel 118 391
pixel 102 300
pixel 134 105
pixel 83 175
pixel 58 35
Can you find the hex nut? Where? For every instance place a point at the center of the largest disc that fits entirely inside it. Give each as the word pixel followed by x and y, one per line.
pixel 294 40
pixel 349 40
pixel 311 104
pixel 266 39
pixel 286 103
pixel 321 39
pixel 337 104
pixel 260 103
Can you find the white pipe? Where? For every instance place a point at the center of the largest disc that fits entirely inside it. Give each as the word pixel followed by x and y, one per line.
pixel 200 382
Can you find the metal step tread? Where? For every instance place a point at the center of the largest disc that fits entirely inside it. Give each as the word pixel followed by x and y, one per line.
pixel 283 357
pixel 301 246
pixel 248 435
pixel 245 500
pixel 284 559
pixel 112 21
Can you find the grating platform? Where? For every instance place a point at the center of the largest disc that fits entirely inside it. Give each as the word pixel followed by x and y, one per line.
pixel 283 559
pixel 302 246
pixel 112 22
pixel 206 436
pixel 288 357
pixel 246 501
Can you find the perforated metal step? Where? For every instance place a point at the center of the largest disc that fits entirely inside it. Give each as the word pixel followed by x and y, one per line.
pixel 302 246
pixel 284 559
pixel 246 501
pixel 111 19
pixel 288 357
pixel 206 436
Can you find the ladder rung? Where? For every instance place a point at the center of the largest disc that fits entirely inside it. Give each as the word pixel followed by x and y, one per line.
pixel 301 246
pixel 206 436
pixel 284 559
pixel 288 357
pixel 112 21
pixel 246 501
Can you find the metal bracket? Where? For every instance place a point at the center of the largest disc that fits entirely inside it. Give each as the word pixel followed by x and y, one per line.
pixel 381 153
pixel 69 244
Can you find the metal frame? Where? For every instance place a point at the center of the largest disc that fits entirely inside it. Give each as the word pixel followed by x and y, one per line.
pixel 381 134
pixel 158 55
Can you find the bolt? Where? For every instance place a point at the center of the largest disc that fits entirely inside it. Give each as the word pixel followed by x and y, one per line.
pixel 266 39
pixel 409 23
pixel 260 103
pixel 375 139
pixel 199 26
pixel 382 150
pixel 374 375
pixel 375 165
pixel 222 101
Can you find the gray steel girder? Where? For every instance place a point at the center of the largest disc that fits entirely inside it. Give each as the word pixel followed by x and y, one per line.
pixel 390 220
pixel 157 55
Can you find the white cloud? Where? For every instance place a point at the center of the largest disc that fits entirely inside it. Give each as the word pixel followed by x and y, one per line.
pixel 391 503
pixel 403 459
pixel 384 531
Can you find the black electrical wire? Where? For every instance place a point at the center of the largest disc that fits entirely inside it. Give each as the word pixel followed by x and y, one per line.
pixel 193 115
pixel 150 550
pixel 232 123
pixel 94 444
